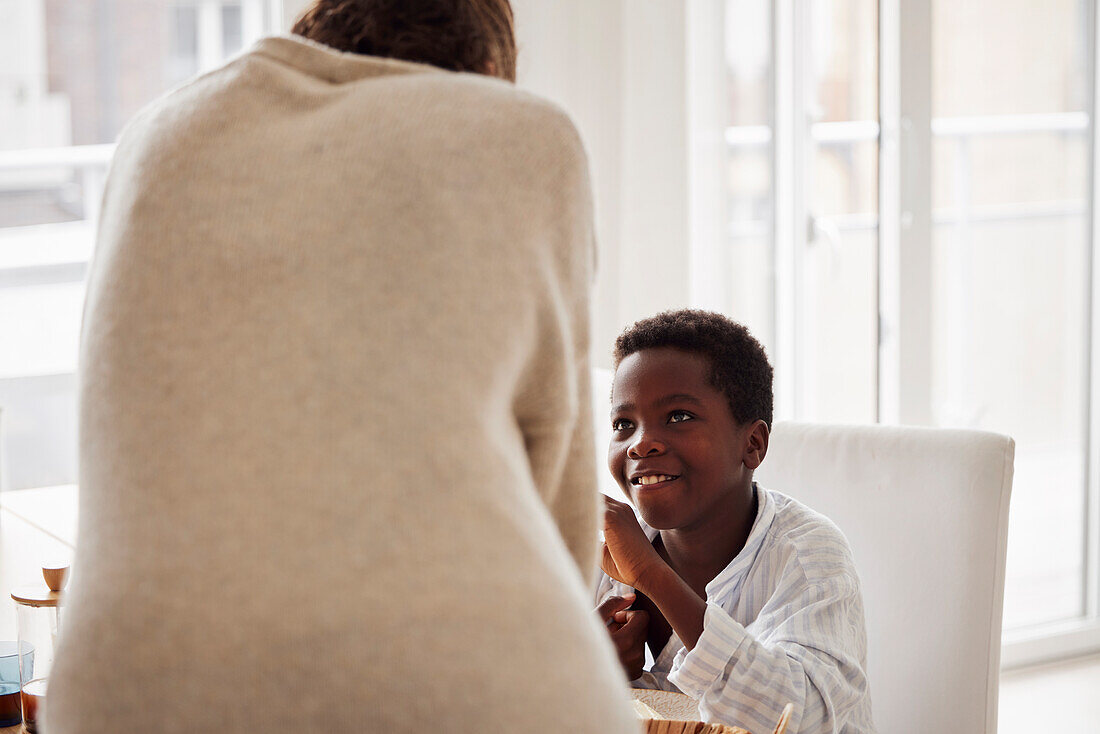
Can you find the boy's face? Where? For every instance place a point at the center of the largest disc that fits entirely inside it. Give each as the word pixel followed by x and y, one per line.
pixel 672 427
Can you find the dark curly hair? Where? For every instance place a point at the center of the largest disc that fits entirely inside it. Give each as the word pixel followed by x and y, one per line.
pixel 459 35
pixel 739 364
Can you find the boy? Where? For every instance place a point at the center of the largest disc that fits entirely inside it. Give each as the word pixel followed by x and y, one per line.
pixel 747 599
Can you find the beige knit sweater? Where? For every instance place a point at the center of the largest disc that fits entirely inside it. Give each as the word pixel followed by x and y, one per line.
pixel 336 464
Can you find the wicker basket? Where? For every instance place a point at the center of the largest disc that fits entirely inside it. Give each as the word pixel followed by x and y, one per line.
pixel 666 712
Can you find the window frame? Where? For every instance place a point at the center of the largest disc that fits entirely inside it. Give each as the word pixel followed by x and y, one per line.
pixel 1081 636
pixel 906 221
pixel 63 257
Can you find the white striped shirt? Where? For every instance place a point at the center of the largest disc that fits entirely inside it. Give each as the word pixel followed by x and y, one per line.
pixel 784 623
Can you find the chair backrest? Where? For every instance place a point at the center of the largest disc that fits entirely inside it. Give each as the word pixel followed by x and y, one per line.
pixel 926 514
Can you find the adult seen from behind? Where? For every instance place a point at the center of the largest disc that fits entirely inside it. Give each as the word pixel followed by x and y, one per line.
pixel 336 454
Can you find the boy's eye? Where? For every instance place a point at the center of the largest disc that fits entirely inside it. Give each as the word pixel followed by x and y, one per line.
pixel 679 416
pixel 621 424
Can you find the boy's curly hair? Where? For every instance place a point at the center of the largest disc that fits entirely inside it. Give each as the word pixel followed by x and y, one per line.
pixel 740 367
pixel 459 35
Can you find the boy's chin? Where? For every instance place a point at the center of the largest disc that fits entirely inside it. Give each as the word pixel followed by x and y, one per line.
pixel 658 518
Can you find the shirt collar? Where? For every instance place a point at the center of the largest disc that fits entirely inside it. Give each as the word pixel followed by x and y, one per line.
pixel 728 581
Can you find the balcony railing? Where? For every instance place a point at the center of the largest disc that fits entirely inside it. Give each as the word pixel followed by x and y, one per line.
pixel 961 130
pixel 41 254
pixel 59 252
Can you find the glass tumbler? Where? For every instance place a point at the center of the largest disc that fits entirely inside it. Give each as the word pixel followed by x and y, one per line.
pixel 10 652
pixel 39 612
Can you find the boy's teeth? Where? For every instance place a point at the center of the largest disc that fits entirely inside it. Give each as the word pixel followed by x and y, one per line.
pixel 653 479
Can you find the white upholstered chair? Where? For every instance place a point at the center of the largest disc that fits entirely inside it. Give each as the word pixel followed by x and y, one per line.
pixel 926 514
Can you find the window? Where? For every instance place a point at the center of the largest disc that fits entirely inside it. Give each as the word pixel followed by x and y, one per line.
pixel 74 72
pixel 917 181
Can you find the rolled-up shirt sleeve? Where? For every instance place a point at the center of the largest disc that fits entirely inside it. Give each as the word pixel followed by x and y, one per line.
pixel 803 648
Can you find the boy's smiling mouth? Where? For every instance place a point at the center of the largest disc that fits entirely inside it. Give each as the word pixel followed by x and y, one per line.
pixel 648 480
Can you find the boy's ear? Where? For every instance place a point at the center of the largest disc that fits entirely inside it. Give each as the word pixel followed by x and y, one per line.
pixel 756 445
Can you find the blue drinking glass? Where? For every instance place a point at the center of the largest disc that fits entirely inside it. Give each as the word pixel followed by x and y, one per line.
pixel 10 712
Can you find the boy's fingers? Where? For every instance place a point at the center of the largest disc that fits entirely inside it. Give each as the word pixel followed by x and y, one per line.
pixel 631 636
pixel 614 604
pixel 612 504
pixel 636 623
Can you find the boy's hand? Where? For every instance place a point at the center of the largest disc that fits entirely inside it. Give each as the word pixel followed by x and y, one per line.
pixel 629 629
pixel 628 556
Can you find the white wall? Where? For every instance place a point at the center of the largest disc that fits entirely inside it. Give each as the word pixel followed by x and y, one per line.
pixel 618 67
pixel 291 8
pixel 571 52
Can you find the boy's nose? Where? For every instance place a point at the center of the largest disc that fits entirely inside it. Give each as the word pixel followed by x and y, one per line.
pixel 645 446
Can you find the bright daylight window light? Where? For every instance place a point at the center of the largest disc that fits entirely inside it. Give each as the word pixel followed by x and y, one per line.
pixel 1007 255
pixel 65 104
pixel 998 254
